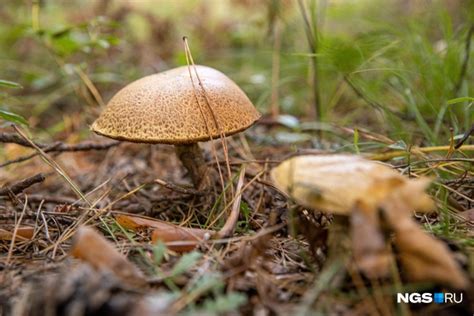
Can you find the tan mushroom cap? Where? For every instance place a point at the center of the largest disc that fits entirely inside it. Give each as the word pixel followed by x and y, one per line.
pixel 335 183
pixel 163 108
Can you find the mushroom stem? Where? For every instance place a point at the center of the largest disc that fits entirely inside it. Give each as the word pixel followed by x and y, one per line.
pixel 339 248
pixel 338 238
pixel 192 159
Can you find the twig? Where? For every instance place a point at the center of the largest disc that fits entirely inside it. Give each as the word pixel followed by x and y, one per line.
pixel 22 185
pixel 51 199
pixel 54 147
pixel 467 51
pixel 57 146
pixel 436 160
pixel 414 150
pixel 178 188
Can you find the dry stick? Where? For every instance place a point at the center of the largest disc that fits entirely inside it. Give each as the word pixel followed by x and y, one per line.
pixel 177 188
pixel 453 160
pixel 15 231
pixel 414 150
pixel 19 159
pixel 19 186
pixel 190 60
pixel 54 147
pixel 57 146
pixel 231 221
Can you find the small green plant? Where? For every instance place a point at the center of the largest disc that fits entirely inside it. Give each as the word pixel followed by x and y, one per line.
pixel 4 113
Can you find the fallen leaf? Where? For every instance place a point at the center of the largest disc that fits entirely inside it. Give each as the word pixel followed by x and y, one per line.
pixel 166 232
pixel 93 248
pixel 23 233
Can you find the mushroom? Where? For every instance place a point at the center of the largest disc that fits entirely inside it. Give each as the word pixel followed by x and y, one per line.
pixel 179 108
pixel 376 199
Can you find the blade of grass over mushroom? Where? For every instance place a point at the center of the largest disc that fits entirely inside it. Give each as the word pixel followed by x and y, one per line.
pixel 190 62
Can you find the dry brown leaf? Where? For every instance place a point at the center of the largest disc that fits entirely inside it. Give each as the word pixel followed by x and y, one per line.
pixel 93 248
pixel 335 183
pixel 424 257
pixel 166 232
pixel 23 233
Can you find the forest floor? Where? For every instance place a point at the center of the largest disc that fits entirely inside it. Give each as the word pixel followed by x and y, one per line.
pixel 269 265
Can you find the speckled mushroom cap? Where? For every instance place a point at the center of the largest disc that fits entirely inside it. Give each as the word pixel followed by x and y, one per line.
pixel 164 108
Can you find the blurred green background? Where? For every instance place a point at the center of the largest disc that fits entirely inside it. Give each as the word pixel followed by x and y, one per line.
pixel 391 67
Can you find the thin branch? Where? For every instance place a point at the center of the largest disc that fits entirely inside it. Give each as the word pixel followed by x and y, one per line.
pixel 53 147
pixel 57 146
pixel 19 186
pixel 178 188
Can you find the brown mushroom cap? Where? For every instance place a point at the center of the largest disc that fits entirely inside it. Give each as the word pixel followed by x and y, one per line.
pixel 163 108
